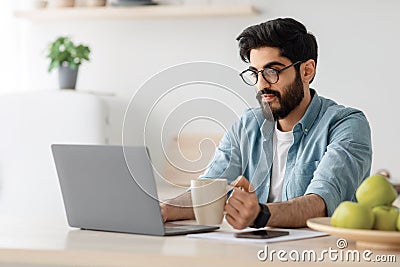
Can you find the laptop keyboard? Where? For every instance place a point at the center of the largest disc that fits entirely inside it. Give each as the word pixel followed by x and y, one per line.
pixel 183 227
pixel 171 228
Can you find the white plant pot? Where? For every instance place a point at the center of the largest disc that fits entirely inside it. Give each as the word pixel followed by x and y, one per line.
pixel 67 77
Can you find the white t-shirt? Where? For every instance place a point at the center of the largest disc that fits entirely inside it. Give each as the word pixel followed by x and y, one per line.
pixel 282 142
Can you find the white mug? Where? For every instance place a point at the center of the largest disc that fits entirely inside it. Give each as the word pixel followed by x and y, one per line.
pixel 208 199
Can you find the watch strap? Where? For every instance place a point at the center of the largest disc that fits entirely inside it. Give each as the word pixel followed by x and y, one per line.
pixel 262 217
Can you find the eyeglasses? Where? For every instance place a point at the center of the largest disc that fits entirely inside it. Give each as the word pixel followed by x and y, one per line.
pixel 271 75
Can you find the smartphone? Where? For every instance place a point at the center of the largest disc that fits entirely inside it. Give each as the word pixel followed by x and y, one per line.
pixel 261 234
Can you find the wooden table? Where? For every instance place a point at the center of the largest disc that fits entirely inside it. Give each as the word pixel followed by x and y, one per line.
pixel 34 242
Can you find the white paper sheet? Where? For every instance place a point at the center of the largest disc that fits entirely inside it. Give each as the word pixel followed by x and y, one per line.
pixel 294 234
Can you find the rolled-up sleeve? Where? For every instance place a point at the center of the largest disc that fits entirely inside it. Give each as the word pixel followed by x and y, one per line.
pixel 346 162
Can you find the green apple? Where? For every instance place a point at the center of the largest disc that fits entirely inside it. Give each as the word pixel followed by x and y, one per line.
pixel 398 223
pixel 385 218
pixel 352 215
pixel 376 190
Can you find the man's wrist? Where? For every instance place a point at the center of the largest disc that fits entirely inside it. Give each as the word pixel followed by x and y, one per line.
pixel 175 212
pixel 262 217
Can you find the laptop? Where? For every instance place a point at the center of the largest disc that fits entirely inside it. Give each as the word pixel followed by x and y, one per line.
pixel 112 188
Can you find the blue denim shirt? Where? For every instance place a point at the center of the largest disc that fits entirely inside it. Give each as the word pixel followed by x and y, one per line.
pixel 330 155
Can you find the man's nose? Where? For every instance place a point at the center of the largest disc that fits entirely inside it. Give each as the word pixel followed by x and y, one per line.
pixel 262 83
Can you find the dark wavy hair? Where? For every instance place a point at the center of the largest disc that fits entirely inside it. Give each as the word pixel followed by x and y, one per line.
pixel 286 34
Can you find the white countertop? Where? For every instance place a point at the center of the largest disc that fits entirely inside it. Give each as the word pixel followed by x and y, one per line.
pixel 39 242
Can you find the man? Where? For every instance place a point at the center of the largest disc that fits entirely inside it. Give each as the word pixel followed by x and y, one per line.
pixel 297 156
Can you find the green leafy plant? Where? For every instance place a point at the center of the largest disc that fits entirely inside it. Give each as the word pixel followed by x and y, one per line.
pixel 63 52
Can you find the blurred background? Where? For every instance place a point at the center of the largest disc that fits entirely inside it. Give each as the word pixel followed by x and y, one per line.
pixel 358 66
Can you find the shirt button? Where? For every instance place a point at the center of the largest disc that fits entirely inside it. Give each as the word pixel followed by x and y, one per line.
pixel 306 130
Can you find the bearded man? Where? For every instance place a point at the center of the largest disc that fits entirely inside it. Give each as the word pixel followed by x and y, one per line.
pixel 298 155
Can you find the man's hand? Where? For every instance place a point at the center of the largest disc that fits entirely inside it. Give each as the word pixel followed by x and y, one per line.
pixel 179 208
pixel 164 211
pixel 242 206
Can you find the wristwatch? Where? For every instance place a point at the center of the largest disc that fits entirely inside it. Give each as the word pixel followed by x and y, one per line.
pixel 263 217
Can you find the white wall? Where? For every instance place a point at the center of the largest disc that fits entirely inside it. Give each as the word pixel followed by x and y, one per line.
pixel 358 62
pixel 11 56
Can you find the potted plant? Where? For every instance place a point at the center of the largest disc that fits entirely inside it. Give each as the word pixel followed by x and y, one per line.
pixel 67 57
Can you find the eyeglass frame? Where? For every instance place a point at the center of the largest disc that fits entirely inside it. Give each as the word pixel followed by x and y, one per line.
pixel 262 73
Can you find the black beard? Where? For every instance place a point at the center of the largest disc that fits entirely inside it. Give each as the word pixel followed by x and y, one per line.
pixel 289 100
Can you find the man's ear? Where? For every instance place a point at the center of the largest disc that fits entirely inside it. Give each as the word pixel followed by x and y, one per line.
pixel 308 70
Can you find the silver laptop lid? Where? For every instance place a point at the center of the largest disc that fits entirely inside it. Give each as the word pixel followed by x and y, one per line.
pixel 100 192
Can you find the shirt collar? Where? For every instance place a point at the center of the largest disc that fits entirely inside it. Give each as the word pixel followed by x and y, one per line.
pixel 307 121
